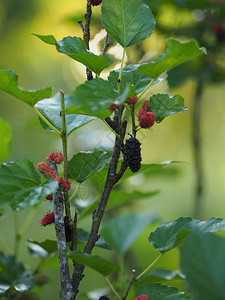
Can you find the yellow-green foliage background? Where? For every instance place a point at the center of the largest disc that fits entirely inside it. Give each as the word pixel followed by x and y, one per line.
pixel 39 65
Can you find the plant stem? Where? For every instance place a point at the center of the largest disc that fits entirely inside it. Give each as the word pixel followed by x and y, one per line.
pixel 65 157
pixel 133 279
pixel 111 128
pixel 86 34
pixel 28 221
pixel 66 287
pixel 41 264
pixel 134 131
pixel 121 69
pixel 46 121
pixel 97 215
pixel 147 87
pixel 197 149
pixel 112 288
pixel 5 248
pixel 149 267
pixel 17 237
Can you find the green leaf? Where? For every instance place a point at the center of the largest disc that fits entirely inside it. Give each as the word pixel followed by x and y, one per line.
pixel 99 264
pixel 74 47
pixel 41 249
pixel 48 39
pixel 20 185
pixel 168 236
pixel 120 197
pixel 50 109
pixel 84 164
pixel 5 140
pixel 122 231
pixel 127 21
pixel 162 105
pixel 157 291
pixel 176 54
pixel 131 76
pixel 94 97
pixel 203 263
pixel 9 84
pixel 82 237
pixel 13 274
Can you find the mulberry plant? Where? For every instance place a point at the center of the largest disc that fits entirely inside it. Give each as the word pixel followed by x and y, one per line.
pixel 120 103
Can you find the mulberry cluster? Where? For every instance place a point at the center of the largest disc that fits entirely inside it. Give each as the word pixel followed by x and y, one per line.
pixel 46 171
pixel 146 119
pixel 48 219
pixel 95 2
pixel 132 154
pixel 55 156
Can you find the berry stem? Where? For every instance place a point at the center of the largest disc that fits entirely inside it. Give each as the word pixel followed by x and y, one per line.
pixel 121 69
pixel 112 288
pixel 134 131
pixel 147 87
pixel 65 157
pixel 46 121
pixel 149 267
pixel 4 246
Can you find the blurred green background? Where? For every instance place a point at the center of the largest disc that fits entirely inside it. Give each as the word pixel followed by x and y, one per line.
pixel 39 65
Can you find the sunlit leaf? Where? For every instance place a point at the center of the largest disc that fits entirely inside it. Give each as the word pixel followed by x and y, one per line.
pixel 131 76
pixel 176 54
pixel 84 164
pixel 99 264
pixel 42 248
pixel 94 97
pixel 74 47
pixel 127 21
pixel 51 108
pixel 162 105
pixel 20 185
pixel 5 140
pixel 9 84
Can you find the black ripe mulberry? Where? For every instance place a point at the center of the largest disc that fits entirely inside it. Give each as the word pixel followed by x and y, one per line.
pixel 104 298
pixel 132 154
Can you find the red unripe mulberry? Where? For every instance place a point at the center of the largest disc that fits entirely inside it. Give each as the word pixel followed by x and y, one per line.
pixel 55 156
pixel 131 100
pixel 49 197
pixel 95 2
pixel 146 119
pixel 113 107
pixel 142 297
pixel 64 184
pixel 48 219
pixel 46 171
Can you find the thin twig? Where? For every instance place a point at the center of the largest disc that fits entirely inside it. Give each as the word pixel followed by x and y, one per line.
pixel 112 288
pixel 86 34
pixel 81 25
pixel 133 279
pixel 106 45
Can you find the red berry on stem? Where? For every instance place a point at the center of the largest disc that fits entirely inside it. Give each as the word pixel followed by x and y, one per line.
pixel 48 219
pixel 55 156
pixel 131 100
pixel 113 107
pixel 146 119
